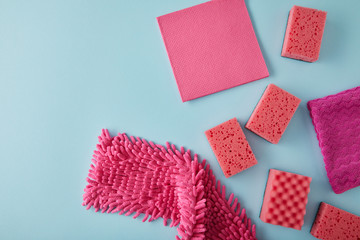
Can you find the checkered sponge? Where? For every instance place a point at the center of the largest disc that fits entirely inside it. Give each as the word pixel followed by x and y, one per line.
pixel 285 199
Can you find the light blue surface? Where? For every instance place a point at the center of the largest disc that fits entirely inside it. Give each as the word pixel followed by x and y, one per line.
pixel 70 68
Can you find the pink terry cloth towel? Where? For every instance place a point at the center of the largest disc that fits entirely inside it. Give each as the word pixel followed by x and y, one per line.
pixel 131 175
pixel 336 119
pixel 212 47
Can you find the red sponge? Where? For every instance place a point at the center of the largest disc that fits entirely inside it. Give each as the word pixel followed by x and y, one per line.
pixel 273 113
pixel 285 199
pixel 304 33
pixel 231 148
pixel 334 223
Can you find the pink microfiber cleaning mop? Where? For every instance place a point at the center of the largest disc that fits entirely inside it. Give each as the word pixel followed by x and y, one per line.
pixel 336 119
pixel 131 175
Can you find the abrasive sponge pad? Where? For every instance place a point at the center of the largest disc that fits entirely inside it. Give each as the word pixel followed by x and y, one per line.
pixel 231 148
pixel 333 223
pixel 273 113
pixel 304 34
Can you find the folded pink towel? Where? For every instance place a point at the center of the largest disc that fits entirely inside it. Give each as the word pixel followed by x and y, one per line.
pixel 131 175
pixel 336 119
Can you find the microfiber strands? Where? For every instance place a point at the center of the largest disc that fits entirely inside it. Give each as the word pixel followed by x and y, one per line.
pixel 131 175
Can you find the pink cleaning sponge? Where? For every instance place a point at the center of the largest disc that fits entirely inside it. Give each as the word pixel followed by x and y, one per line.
pixel 336 119
pixel 304 33
pixel 273 113
pixel 231 148
pixel 333 223
pixel 285 199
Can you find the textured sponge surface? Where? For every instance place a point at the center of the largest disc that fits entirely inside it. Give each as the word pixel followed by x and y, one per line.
pixel 273 113
pixel 333 223
pixel 336 119
pixel 285 199
pixel 304 33
pixel 231 148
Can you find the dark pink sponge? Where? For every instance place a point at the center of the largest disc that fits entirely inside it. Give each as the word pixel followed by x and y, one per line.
pixel 285 199
pixel 131 175
pixel 332 223
pixel 304 34
pixel 273 113
pixel 231 148
pixel 336 119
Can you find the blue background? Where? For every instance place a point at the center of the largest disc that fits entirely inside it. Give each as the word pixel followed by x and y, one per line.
pixel 70 68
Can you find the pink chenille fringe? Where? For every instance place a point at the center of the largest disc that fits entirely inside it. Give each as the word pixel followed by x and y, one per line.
pixel 131 175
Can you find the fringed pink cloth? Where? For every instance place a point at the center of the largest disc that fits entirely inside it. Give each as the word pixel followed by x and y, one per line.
pixel 131 175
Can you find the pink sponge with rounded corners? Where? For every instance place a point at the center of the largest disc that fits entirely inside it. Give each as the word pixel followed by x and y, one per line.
pixel 273 113
pixel 332 223
pixel 231 148
pixel 132 175
pixel 285 199
pixel 336 119
pixel 304 34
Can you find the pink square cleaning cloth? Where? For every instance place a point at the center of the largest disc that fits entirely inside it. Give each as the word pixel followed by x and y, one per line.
pixel 336 119
pixel 212 47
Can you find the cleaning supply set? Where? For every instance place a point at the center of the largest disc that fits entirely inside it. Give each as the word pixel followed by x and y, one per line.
pixel 213 47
